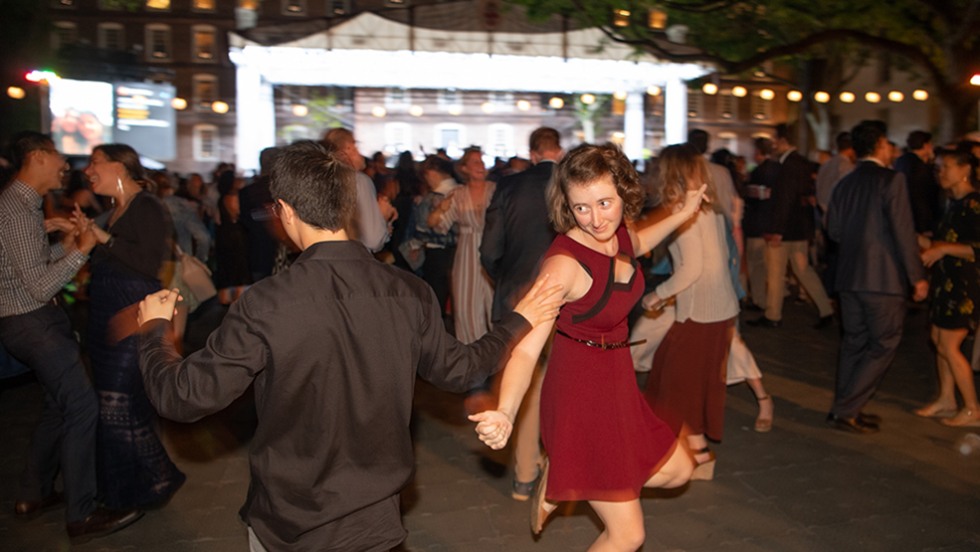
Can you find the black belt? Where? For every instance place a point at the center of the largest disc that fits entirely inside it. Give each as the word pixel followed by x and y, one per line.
pixel 602 344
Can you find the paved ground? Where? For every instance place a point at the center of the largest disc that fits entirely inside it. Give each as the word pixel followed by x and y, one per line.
pixel 803 487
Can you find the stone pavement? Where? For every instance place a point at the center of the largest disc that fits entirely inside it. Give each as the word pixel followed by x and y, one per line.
pixel 802 487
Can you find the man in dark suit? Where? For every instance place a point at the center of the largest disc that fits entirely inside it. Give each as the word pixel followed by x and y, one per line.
pixel 790 229
pixel 516 236
pixel 920 177
pixel 871 219
pixel 262 230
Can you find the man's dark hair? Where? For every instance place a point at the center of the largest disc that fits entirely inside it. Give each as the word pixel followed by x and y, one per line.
pixel 316 184
pixel 844 141
pixel 782 132
pixel 917 140
pixel 267 157
pixel 699 139
pixel 436 163
pixel 865 137
pixel 763 145
pixel 24 143
pixel 544 138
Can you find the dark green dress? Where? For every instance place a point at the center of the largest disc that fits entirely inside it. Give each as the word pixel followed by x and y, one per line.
pixel 955 282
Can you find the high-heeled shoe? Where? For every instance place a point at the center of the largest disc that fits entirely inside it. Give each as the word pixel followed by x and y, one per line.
pixel 539 511
pixel 704 469
pixel 763 425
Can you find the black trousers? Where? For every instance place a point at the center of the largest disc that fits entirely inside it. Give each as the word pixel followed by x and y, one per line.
pixel 65 435
pixel 872 332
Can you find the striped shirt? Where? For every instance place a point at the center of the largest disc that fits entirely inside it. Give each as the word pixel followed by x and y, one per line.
pixel 31 270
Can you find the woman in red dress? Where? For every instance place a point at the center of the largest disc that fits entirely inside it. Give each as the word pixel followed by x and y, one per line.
pixel 603 442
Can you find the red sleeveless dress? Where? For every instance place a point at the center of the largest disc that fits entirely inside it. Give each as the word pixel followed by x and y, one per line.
pixel 602 439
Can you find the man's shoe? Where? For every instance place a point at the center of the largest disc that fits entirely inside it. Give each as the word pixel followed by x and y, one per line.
pixel 852 425
pixel 869 418
pixel 32 508
pixel 100 523
pixel 824 322
pixel 763 322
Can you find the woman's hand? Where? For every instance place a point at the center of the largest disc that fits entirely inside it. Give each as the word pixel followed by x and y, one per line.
pixel 162 304
pixel 924 241
pixel 693 199
pixel 652 301
pixel 933 254
pixel 541 304
pixel 493 427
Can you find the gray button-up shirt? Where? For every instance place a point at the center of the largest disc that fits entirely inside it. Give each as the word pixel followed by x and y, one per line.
pixel 31 270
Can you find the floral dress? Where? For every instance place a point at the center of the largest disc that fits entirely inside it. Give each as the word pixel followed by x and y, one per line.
pixel 955 282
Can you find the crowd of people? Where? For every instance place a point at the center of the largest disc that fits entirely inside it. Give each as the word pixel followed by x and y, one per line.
pixel 605 300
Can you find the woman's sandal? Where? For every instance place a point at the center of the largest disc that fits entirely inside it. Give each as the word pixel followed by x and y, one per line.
pixel 763 425
pixel 704 470
pixel 539 509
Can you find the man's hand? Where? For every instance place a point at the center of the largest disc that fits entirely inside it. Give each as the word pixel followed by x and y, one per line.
pixel 921 290
pixel 162 304
pixel 540 304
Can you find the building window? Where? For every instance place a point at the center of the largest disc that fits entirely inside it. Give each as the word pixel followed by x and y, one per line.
pixel 338 7
pixel 111 36
pixel 294 7
pixel 727 108
pixel 398 138
pixel 397 98
pixel 205 91
pixel 761 109
pixel 450 98
pixel 695 104
pixel 157 42
pixel 206 143
pixel 158 4
pixel 64 33
pixel 204 43
pixel 450 137
pixel 500 140
pixel 501 101
pixel 203 5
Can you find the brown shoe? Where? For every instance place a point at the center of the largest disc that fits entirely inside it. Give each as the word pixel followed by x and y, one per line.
pixel 33 508
pixel 100 523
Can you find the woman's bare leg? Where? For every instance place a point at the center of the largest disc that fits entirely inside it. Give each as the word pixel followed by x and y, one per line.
pixel 675 472
pixel 950 342
pixel 946 402
pixel 623 521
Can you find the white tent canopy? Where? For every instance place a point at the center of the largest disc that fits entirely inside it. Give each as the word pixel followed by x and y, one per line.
pixel 371 51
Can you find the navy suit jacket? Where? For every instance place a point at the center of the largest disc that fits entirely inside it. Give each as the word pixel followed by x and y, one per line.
pixel 516 235
pixel 871 218
pixel 792 215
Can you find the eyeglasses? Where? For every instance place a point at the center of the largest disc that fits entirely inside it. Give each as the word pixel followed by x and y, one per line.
pixel 277 208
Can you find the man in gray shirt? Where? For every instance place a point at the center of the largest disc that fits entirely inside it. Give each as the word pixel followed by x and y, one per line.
pixel 38 333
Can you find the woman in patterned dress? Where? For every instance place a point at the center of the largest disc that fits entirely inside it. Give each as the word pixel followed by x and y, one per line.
pixel 603 441
pixel 955 289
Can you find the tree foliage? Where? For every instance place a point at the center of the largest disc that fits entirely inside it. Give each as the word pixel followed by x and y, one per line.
pixel 938 38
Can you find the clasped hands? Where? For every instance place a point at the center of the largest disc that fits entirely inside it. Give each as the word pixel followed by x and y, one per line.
pixel 493 428
pixel 79 231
